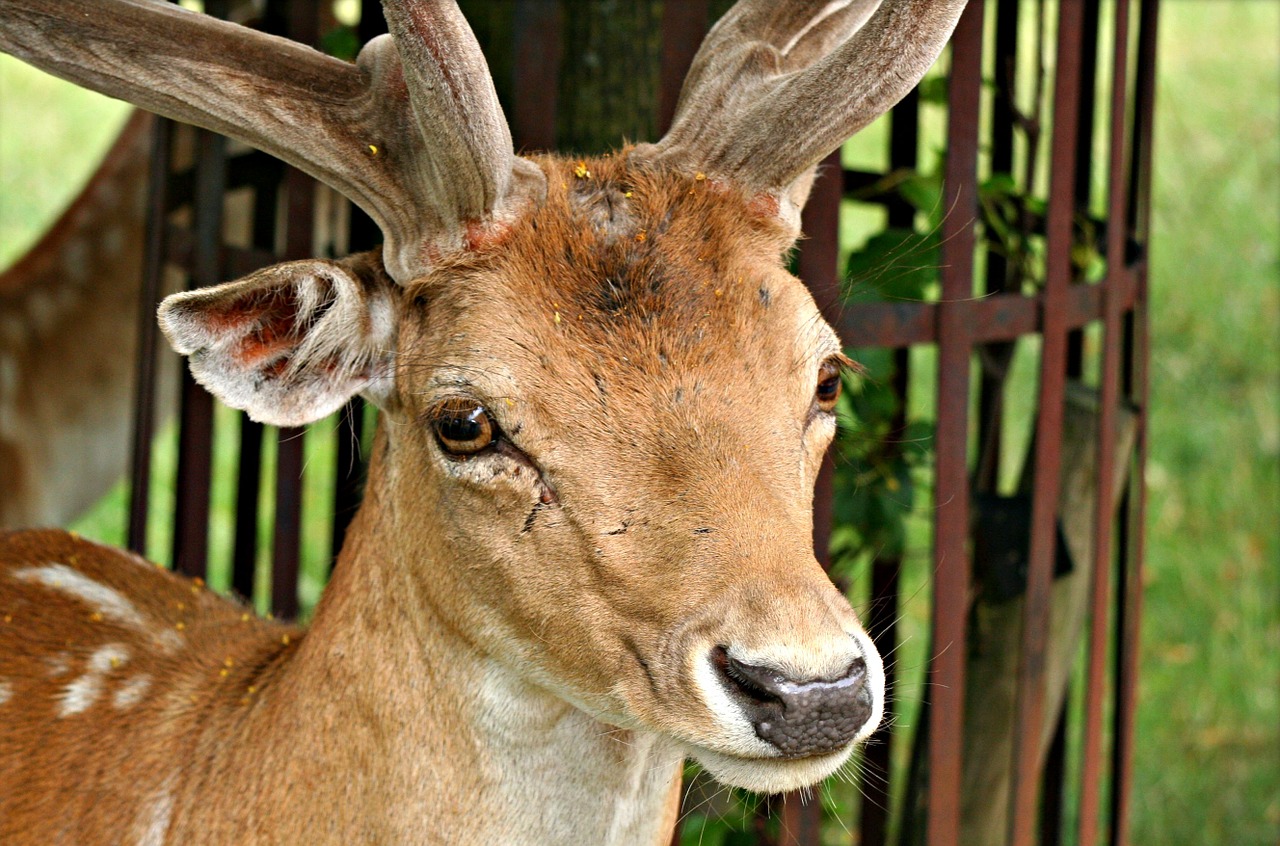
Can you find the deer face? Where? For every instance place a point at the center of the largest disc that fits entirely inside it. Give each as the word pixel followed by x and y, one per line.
pixel 605 399
pixel 613 418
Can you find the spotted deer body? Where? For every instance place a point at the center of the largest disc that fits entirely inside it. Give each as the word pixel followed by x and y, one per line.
pixel 584 553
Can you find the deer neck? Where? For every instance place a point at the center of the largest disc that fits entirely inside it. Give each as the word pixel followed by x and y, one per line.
pixel 465 750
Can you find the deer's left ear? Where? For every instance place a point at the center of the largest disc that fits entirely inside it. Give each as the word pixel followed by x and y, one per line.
pixel 293 342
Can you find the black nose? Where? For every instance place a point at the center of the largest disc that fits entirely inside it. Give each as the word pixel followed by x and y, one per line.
pixel 800 718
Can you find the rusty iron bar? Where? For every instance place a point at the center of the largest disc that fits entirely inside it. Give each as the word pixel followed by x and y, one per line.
pixel 145 375
pixel 882 614
pixel 998 355
pixel 536 70
pixel 999 317
pixel 195 438
pixel 1048 431
pixel 951 515
pixel 683 26
pixel 303 23
pixel 265 179
pixel 1083 188
pixel 1052 787
pixel 1129 609
pixel 1104 512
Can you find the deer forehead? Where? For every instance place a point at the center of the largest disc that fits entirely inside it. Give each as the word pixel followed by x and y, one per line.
pixel 627 281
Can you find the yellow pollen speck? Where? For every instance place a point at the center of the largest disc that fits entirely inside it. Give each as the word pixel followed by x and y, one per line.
pixel 510 402
pixel 581 171
pixel 642 235
pixel 285 640
pixel 719 292
pixel 182 606
pixel 244 618
pixel 73 560
pixel 115 662
pixel 223 672
pixel 252 690
pixel 557 318
pixel 95 617
pixel 699 177
pixel 627 194
pixel 194 700
pixel 75 536
pixel 181 626
pixel 228 662
pixel 373 148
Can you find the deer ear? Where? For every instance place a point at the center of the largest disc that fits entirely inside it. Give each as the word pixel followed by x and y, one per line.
pixel 293 342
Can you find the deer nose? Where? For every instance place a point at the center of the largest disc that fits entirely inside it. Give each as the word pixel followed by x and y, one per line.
pixel 799 717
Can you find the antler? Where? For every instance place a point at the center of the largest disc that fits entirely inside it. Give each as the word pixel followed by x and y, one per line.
pixel 412 133
pixel 775 87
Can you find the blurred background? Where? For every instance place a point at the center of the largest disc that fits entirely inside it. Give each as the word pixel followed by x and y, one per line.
pixel 1208 750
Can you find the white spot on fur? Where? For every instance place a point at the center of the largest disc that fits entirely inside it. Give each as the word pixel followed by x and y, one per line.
pixel 131 692
pixel 155 820
pixel 82 693
pixel 59 665
pixel 6 691
pixel 107 601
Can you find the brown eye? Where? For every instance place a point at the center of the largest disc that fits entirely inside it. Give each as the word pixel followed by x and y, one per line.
pixel 828 386
pixel 462 426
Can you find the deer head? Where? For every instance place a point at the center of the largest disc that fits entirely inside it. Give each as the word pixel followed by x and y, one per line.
pixel 604 399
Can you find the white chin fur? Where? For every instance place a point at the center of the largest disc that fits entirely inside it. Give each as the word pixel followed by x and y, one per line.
pixel 770 775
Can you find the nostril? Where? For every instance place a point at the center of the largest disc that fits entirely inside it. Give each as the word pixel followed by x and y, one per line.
pixel 757 684
pixel 799 718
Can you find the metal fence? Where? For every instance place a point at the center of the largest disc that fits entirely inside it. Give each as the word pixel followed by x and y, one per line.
pixel 1039 96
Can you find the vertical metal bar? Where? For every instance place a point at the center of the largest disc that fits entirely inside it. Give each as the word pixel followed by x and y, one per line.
pixel 303 22
pixel 350 471
pixel 1048 434
pixel 195 440
pixel 538 48
pixel 951 514
pixel 144 406
pixel 1129 622
pixel 1054 784
pixel 1104 511
pixel 997 356
pixel 882 615
pixel 1090 27
pixel 244 557
pixel 683 26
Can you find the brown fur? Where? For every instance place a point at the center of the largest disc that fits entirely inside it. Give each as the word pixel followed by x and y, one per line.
pixel 665 369
pixel 520 645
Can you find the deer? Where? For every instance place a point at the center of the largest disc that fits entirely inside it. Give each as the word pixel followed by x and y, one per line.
pixel 584 553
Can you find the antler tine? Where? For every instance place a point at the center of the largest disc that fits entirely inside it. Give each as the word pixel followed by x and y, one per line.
pixel 403 145
pixel 777 86
pixel 453 100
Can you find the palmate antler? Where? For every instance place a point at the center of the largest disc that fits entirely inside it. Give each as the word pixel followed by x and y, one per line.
pixel 412 133
pixel 776 86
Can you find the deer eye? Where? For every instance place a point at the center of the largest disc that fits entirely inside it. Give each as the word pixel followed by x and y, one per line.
pixel 462 426
pixel 828 385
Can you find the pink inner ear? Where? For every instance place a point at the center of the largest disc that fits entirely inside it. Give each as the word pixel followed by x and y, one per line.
pixel 269 319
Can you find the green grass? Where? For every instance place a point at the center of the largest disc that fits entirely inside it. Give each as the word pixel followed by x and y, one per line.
pixel 1207 767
